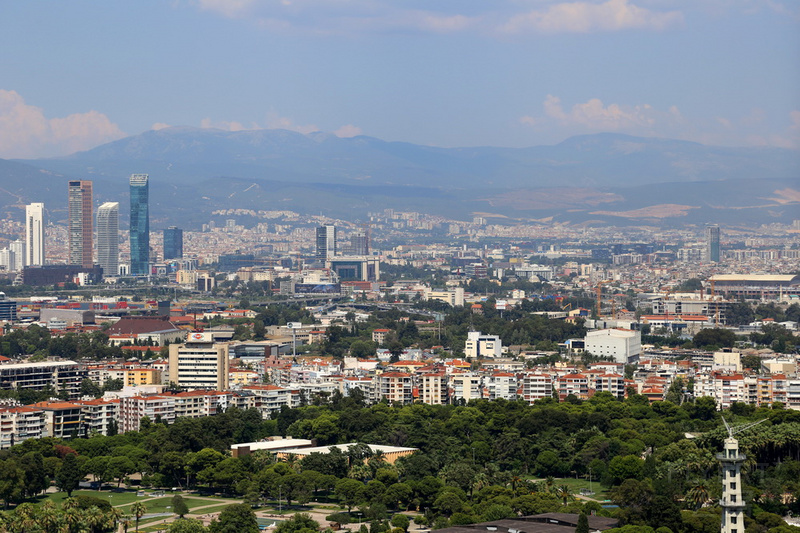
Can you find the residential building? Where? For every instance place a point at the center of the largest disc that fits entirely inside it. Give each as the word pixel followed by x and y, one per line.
pixel 140 224
pixel 80 223
pixel 108 238
pixel 34 234
pixel 18 249
pixel 394 387
pixel 480 345
pixel 536 386
pixel 18 424
pixel 61 376
pixel 465 387
pixel 62 420
pixel 433 388
pixel 156 408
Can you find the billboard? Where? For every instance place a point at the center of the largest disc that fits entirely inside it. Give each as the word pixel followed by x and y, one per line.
pixel 317 288
pixel 199 337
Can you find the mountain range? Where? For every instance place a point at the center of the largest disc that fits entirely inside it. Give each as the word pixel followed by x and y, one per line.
pixel 603 178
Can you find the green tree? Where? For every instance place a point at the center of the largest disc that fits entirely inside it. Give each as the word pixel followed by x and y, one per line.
pixel 583 524
pixel 299 523
pixel 236 518
pixel 179 506
pixel 350 492
pixel 186 525
pixel 69 476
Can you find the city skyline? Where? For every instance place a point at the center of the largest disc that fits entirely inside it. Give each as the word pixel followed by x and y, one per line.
pixel 456 74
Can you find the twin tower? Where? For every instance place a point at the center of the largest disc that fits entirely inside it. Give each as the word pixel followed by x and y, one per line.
pixel 80 228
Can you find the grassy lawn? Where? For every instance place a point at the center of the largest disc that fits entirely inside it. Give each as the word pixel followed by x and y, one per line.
pixel 576 485
pixel 212 509
pixel 164 505
pixel 115 498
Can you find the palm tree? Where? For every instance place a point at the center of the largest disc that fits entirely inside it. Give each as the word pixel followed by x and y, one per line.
pixel 698 496
pixel 138 509
pixel 48 517
pixel 564 493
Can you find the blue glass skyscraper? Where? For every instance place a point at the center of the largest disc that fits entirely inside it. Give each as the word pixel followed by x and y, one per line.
pixel 140 225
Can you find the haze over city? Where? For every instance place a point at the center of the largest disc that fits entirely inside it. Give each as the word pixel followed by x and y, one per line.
pixel 453 73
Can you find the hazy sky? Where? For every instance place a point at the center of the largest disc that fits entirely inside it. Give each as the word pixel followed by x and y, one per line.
pixel 75 74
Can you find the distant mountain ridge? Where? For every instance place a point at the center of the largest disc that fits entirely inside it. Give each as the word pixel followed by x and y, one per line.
pixel 609 174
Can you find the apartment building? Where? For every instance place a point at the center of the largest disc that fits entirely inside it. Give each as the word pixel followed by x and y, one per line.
pixel 394 387
pixel 433 388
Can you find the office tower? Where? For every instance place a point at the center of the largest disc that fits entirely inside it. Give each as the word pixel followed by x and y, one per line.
pixel 712 243
pixel 80 223
pixel 173 243
pixel 360 243
pixel 140 225
pixel 326 242
pixel 108 238
pixel 18 247
pixel 34 234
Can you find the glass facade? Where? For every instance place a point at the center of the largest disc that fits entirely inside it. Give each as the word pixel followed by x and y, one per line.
pixel 140 225
pixel 173 243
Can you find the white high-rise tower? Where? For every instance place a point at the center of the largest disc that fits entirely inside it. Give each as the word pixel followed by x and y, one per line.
pixel 34 234
pixel 108 238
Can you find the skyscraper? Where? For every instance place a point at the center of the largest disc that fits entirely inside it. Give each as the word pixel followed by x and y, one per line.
pixel 34 234
pixel 360 243
pixel 140 225
pixel 108 238
pixel 80 223
pixel 173 243
pixel 712 243
pixel 326 242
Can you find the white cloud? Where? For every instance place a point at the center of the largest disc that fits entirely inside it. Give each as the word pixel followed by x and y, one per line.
pixel 228 8
pixel 159 126
pixel 501 16
pixel 227 126
pixel 274 122
pixel 284 123
pixel 585 17
pixel 594 115
pixel 348 130
pixel 25 132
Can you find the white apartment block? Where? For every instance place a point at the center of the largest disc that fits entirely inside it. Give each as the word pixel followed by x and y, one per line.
pixel 466 386
pixel 536 386
pixel 480 345
pixel 501 385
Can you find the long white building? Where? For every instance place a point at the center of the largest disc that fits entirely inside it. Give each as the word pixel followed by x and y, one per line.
pixel 621 344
